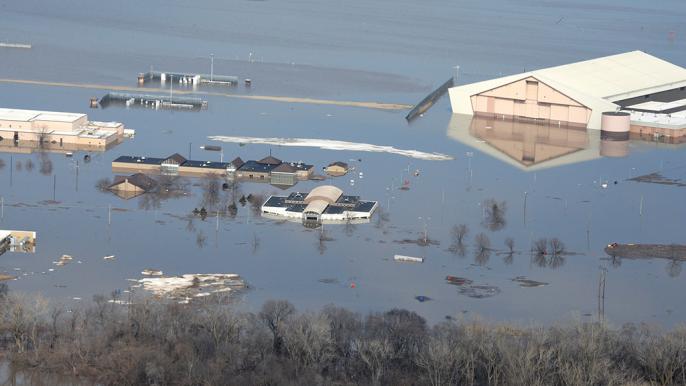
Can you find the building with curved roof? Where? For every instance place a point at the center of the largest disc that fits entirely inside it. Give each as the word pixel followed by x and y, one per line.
pixel 324 203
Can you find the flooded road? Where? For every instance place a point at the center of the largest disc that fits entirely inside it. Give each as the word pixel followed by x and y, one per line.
pixel 558 183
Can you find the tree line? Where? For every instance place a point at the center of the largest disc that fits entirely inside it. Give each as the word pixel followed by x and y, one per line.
pixel 209 343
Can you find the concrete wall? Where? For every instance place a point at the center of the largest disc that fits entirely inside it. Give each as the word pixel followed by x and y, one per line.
pixel 198 172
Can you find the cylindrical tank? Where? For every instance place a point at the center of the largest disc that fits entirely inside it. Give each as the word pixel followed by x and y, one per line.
pixel 615 125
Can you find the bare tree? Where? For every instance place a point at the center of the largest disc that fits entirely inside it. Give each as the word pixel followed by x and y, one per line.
pixel 540 247
pixel 557 247
pixel 2 163
pixel 200 239
pixel 674 268
pixel 376 354
pixel 307 340
pixel 45 167
pixel 509 243
pixel 482 249
pixel 18 165
pixel 103 184
pixel 274 314
pixel 494 214
pixel 211 189
pixel 29 165
pixel 458 233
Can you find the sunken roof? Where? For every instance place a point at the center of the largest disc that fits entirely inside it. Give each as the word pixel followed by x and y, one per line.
pixel 139 179
pixel 237 162
pixel 176 157
pixel 284 168
pixel 270 160
pixel 339 163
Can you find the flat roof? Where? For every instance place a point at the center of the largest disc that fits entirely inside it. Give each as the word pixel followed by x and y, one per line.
pixel 254 166
pixel 139 160
pixel 205 164
pixel 32 115
pixel 658 106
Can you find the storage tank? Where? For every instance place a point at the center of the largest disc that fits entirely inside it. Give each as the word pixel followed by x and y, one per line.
pixel 615 125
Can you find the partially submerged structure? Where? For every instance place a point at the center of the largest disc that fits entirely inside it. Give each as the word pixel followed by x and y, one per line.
pixel 17 241
pixel 132 186
pixel 651 90
pixel 58 129
pixel 337 169
pixel 323 204
pixel 268 169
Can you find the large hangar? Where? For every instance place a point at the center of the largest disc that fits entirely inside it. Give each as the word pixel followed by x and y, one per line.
pixel 578 94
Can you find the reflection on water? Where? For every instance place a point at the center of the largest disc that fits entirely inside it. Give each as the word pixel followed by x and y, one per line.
pixel 532 146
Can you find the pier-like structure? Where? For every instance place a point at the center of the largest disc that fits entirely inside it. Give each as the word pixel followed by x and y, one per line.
pixel 186 78
pixel 154 101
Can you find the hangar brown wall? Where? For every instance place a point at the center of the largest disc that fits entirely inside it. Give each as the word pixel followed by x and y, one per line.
pixel 532 99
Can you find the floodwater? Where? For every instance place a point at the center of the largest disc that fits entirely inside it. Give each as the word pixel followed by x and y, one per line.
pixel 392 52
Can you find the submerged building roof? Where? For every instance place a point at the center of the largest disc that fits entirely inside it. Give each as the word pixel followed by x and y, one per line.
pixel 139 180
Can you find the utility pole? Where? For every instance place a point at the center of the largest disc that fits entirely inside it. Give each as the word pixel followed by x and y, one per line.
pixel 109 214
pixel 211 67
pixel 525 195
pixel 2 207
pixel 601 295
pixel 54 186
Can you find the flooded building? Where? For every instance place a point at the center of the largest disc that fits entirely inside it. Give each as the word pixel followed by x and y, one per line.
pixel 268 169
pixel 337 169
pixel 323 204
pixel 273 170
pixel 577 95
pixel 58 129
pixel 132 186
pixel 17 241
pixel 174 164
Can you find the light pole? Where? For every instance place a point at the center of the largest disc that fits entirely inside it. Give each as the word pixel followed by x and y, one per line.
pixel 211 67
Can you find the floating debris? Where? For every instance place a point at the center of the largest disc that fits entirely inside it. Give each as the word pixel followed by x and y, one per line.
pixel 329 144
pixel 479 291
pixel 110 257
pixel 4 277
pixel 422 298
pixel 408 259
pixel 528 283
pixel 657 178
pixel 329 281
pixel 647 251
pixel 64 260
pixel 192 285
pixel 459 281
pixel 151 272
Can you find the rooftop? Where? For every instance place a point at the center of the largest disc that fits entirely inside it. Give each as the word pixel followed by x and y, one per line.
pixel 139 160
pixel 32 115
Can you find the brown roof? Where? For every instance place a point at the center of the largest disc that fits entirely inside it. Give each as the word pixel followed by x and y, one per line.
pixel 176 157
pixel 270 160
pixel 139 179
pixel 339 163
pixel 237 162
pixel 284 168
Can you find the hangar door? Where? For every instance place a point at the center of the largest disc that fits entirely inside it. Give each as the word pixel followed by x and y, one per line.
pixel 533 99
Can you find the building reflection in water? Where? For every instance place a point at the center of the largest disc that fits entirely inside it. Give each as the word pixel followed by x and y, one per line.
pixel 532 146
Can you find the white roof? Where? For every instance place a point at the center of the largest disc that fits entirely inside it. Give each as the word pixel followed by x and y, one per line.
pixel 658 106
pixel 618 76
pixel 33 115
pixel 4 234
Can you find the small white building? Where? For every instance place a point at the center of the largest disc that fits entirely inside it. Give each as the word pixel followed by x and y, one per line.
pixel 323 204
